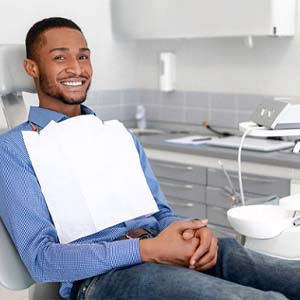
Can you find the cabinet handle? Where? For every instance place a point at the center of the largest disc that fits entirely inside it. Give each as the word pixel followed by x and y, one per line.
pixel 261 180
pixel 176 167
pixel 182 186
pixel 189 204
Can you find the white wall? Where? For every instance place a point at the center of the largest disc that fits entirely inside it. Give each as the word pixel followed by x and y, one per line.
pixel 214 65
pixel 227 65
pixel 114 61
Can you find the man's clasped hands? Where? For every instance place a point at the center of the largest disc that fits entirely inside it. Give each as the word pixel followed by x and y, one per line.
pixel 184 243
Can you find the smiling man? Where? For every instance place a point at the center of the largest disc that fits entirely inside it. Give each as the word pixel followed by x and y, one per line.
pixel 159 256
pixel 59 62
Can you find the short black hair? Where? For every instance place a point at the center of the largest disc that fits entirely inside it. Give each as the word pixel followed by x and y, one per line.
pixel 34 35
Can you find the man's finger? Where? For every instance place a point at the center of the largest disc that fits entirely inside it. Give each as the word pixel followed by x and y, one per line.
pixel 206 237
pixel 209 256
pixel 194 224
pixel 208 266
pixel 188 234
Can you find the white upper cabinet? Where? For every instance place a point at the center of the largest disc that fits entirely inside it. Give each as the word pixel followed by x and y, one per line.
pixel 159 19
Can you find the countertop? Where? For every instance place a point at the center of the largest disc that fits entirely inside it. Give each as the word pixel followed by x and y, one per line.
pixel 284 158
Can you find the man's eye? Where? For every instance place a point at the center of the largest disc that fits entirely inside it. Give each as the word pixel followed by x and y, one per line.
pixel 59 57
pixel 83 57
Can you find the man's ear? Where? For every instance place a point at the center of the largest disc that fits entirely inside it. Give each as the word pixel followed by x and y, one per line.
pixel 31 68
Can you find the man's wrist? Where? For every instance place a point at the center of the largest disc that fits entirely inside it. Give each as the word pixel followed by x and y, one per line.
pixel 147 251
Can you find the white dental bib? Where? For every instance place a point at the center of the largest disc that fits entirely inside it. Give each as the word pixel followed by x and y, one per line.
pixel 90 175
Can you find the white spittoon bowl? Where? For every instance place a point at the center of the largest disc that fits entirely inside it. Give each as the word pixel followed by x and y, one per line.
pixel 260 221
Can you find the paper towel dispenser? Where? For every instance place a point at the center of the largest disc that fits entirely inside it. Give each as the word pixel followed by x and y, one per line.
pixel 159 19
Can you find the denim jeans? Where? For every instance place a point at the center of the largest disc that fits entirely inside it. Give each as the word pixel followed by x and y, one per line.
pixel 239 274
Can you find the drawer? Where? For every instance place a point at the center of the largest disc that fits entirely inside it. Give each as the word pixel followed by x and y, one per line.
pixel 187 209
pixel 255 184
pixel 182 172
pixel 217 196
pixel 221 231
pixel 217 216
pixel 183 190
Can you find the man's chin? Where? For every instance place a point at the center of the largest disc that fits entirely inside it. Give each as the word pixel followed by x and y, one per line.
pixel 72 101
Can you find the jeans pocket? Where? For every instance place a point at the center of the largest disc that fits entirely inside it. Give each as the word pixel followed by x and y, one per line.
pixel 81 294
pixel 88 289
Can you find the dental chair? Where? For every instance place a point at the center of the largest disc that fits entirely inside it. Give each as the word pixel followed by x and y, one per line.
pixel 13 81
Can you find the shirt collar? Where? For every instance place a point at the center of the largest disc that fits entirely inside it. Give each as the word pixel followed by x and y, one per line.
pixel 42 116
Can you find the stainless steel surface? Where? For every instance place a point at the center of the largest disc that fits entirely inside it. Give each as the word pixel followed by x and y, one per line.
pixel 14 109
pixel 146 131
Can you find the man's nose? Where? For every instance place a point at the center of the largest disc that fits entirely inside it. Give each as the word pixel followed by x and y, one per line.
pixel 74 67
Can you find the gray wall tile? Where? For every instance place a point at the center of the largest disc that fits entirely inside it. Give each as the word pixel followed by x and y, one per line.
pixel 184 107
pixel 249 102
pixel 127 112
pixel 196 116
pixel 223 118
pixel 150 96
pixel 198 99
pixel 171 114
pixel 152 112
pixel 172 98
pixel 132 96
pixel 224 101
pixel 92 98
pixel 108 112
pixel 110 97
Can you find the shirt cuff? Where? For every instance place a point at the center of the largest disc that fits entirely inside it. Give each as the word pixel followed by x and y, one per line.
pixel 125 253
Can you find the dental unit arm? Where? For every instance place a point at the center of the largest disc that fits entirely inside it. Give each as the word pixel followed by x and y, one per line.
pixel 271 229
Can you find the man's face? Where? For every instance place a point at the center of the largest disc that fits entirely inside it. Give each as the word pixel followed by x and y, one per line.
pixel 64 65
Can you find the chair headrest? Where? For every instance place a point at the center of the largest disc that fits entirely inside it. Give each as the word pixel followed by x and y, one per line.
pixel 13 77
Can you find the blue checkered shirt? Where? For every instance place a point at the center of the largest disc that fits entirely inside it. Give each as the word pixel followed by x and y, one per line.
pixel 25 214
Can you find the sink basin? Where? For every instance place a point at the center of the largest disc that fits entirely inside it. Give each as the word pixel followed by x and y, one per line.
pixel 260 221
pixel 146 131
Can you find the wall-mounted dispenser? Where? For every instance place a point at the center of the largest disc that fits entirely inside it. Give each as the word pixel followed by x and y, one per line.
pixel 168 71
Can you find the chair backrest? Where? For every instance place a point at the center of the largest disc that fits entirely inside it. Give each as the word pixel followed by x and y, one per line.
pixel 13 273
pixel 13 80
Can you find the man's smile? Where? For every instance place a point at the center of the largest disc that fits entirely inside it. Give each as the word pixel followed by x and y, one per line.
pixel 72 83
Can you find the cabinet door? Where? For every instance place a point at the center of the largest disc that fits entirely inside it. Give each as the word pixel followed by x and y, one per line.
pixel 220 197
pixel 180 172
pixel 217 216
pixel 156 19
pixel 183 190
pixel 185 208
pixel 252 184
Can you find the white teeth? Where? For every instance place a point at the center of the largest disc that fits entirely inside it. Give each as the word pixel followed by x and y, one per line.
pixel 72 83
